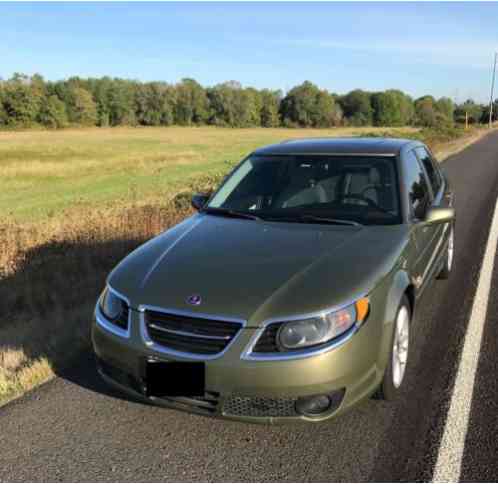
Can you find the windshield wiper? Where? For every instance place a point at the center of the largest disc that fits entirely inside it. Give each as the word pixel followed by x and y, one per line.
pixel 334 221
pixel 303 218
pixel 225 212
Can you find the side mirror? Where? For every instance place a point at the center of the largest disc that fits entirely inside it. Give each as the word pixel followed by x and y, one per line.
pixel 199 200
pixel 438 215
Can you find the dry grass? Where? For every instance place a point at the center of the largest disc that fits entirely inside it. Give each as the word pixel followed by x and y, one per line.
pixel 25 374
pixel 45 324
pixel 52 268
pixel 449 148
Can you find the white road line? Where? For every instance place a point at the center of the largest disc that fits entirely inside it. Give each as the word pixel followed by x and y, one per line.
pixel 449 460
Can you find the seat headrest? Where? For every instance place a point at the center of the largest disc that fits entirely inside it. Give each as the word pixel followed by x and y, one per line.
pixel 374 176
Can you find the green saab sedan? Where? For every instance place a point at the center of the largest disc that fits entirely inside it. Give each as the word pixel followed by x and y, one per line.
pixel 291 293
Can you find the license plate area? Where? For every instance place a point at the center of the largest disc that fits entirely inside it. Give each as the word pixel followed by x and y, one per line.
pixel 175 378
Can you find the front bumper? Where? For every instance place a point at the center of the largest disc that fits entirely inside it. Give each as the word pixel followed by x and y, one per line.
pixel 253 391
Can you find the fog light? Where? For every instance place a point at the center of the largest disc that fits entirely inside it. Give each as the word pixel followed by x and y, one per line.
pixel 317 404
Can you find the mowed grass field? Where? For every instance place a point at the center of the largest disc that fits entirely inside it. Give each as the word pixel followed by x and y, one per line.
pixel 44 172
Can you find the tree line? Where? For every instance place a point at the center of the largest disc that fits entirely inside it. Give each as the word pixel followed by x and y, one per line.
pixel 29 101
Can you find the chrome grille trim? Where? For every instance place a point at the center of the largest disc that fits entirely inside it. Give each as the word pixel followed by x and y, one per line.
pixel 209 403
pixel 184 354
pixel 187 333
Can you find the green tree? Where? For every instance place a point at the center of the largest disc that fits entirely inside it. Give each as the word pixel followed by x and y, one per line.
pixel 82 107
pixel 306 105
pixel 357 108
pixel 446 108
pixel 474 111
pixel 100 89
pixel 121 103
pixel 21 101
pixel 425 111
pixel 231 105
pixel 485 113
pixel 221 104
pixel 191 106
pixel 155 103
pixel 326 113
pixel 147 108
pixel 298 105
pixel 392 108
pixel 3 113
pixel 270 102
pixel 407 109
pixel 53 113
pixel 254 105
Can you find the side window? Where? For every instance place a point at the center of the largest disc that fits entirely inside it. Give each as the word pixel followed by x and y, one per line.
pixel 432 171
pixel 416 185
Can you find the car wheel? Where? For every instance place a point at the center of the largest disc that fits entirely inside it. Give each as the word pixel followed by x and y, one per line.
pixel 450 253
pixel 398 358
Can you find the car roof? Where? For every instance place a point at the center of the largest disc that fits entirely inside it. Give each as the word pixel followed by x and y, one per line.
pixel 329 146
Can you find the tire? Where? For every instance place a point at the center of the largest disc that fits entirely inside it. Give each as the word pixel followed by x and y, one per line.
pixel 449 257
pixel 395 375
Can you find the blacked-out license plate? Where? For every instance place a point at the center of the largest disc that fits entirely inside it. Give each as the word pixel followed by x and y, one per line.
pixel 175 378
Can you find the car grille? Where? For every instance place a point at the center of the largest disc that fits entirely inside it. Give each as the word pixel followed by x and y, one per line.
pixel 190 334
pixel 267 342
pixel 259 407
pixel 207 404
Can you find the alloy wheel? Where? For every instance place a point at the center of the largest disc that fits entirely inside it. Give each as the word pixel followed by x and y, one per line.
pixel 451 249
pixel 400 346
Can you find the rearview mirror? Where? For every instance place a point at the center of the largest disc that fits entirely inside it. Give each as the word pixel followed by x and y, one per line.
pixel 438 215
pixel 199 200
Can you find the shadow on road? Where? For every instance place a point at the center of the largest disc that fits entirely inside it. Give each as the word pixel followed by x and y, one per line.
pixel 82 371
pixel 48 291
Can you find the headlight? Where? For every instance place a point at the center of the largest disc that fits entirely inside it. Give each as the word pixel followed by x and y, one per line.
pixel 320 329
pixel 111 305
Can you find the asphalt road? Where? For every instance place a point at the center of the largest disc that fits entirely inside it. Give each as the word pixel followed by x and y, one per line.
pixel 76 429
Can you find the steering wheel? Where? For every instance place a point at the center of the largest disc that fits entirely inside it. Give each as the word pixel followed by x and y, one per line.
pixel 369 187
pixel 368 201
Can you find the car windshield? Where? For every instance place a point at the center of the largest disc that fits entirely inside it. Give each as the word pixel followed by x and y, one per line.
pixel 312 189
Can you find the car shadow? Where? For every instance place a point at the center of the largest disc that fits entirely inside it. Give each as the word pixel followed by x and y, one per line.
pixel 82 371
pixel 48 294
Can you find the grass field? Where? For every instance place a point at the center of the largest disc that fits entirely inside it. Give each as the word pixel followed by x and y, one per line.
pixel 73 203
pixel 43 172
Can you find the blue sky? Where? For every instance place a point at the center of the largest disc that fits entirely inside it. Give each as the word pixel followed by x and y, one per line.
pixel 437 48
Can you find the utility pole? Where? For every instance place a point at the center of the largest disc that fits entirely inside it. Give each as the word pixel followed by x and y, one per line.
pixel 492 89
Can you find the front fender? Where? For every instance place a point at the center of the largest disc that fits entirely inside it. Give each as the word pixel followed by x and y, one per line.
pixel 396 285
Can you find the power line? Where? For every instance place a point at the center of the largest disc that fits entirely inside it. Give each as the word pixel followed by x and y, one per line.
pixel 492 89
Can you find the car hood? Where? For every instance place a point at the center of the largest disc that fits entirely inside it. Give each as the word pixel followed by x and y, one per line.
pixel 254 270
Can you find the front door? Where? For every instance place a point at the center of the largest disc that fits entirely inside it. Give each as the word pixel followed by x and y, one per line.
pixel 423 236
